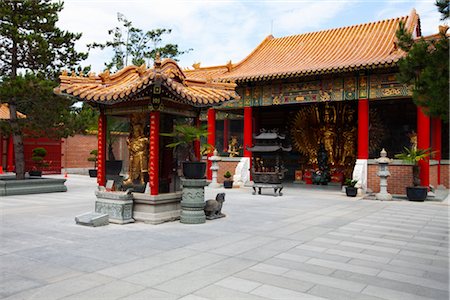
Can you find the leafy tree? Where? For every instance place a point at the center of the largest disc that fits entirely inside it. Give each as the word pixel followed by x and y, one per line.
pixel 426 66
pixel 443 7
pixel 30 42
pixel 131 44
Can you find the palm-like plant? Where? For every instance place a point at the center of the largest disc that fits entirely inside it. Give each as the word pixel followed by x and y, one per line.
pixel 414 155
pixel 184 137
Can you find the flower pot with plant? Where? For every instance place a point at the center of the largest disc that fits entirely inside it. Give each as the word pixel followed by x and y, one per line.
pixel 414 156
pixel 184 137
pixel 350 188
pixel 227 183
pixel 93 158
pixel 37 157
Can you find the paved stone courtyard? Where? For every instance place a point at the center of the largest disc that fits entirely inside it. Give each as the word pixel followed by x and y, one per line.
pixel 307 244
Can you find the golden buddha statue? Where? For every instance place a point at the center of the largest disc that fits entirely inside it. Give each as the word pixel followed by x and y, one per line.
pixel 138 153
pixel 233 147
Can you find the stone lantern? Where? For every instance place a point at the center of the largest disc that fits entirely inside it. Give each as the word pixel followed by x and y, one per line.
pixel 383 173
pixel 214 168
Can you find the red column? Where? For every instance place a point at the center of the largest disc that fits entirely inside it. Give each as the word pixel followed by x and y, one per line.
pixel 154 153
pixel 1 149
pixel 197 143
pixel 211 138
pixel 363 129
pixel 226 134
pixel 423 142
pixel 101 158
pixel 248 130
pixel 10 158
pixel 437 144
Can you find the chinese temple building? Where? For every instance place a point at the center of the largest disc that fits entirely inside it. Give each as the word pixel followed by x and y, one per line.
pixel 333 89
pixel 337 87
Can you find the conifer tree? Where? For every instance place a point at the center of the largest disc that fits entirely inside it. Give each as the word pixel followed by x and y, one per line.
pixel 426 67
pixel 32 51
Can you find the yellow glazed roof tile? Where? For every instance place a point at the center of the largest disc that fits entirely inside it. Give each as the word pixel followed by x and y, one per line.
pixel 334 50
pixel 109 88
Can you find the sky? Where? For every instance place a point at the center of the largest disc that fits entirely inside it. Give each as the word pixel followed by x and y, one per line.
pixel 223 30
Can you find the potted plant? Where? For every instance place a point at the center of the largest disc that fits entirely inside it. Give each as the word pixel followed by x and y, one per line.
pixel 413 156
pixel 350 188
pixel 184 137
pixel 37 157
pixel 227 183
pixel 93 157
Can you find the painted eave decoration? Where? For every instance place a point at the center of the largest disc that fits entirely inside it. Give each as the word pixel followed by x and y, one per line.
pixel 125 84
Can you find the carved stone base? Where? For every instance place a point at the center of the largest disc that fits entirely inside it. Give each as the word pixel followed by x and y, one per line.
pixel 193 201
pixel 156 209
pixel 117 205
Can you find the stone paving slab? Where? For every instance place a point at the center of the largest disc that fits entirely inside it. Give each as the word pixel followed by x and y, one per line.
pixel 308 244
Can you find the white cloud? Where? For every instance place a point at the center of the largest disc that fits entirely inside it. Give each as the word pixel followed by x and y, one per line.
pixel 222 30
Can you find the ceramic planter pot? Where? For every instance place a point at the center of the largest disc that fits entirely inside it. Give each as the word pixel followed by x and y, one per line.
pixel 228 184
pixel 35 173
pixel 417 193
pixel 351 191
pixel 194 169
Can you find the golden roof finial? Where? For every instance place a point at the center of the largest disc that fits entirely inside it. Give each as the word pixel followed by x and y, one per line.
pixel 196 65
pixel 64 73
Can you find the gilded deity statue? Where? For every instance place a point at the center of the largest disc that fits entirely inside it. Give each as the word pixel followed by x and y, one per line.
pixel 413 140
pixel 327 131
pixel 233 147
pixel 138 151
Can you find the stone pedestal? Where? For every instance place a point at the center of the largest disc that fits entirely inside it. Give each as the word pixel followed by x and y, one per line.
pixel 117 205
pixel 157 209
pixel 193 201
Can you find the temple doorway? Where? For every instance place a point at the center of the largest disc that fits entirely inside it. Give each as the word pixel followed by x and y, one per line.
pixel 317 131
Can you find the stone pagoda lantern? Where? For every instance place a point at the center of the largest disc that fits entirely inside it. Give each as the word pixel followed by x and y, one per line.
pixel 383 173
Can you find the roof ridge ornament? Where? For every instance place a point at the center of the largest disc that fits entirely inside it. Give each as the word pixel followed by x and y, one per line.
pixel 443 29
pixel 157 63
pixel 229 65
pixel 141 69
pixel 105 76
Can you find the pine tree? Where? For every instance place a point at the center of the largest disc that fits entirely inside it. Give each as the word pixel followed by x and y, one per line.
pixel 32 43
pixel 136 46
pixel 426 67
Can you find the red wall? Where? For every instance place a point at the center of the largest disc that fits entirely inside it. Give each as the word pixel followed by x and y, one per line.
pixel 53 157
